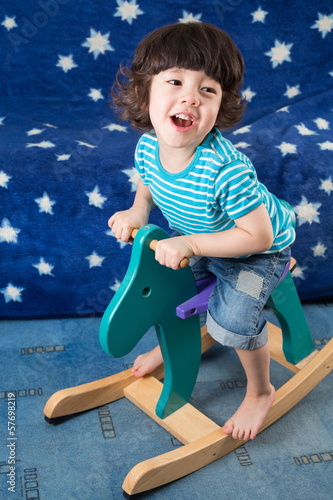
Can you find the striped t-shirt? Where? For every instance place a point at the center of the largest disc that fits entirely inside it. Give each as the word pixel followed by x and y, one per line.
pixel 219 185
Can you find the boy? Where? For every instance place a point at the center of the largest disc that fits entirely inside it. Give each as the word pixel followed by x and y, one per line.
pixel 183 86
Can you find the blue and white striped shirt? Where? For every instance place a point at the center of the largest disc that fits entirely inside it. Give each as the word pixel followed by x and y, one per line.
pixel 219 185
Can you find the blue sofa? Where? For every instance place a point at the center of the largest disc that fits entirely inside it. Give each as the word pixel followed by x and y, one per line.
pixel 67 161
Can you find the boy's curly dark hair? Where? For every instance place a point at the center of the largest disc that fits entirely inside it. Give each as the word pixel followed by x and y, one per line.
pixel 195 46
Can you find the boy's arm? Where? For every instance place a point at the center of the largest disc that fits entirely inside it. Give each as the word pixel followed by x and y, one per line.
pixel 253 234
pixel 123 223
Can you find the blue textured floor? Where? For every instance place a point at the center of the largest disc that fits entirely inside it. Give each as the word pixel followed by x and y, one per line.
pixel 87 457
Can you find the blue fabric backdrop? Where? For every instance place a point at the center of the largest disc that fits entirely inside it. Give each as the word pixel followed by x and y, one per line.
pixel 66 162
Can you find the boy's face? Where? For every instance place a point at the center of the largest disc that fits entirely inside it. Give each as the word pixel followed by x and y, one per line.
pixel 183 107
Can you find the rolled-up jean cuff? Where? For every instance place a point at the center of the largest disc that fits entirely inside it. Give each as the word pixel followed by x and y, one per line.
pixel 230 339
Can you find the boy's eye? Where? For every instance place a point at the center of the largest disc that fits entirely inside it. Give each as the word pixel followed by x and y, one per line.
pixel 209 89
pixel 175 82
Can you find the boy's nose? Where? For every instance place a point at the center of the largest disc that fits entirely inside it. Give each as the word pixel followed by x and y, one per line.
pixel 190 99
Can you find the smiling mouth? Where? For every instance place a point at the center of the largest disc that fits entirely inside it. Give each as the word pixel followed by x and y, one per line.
pixel 182 121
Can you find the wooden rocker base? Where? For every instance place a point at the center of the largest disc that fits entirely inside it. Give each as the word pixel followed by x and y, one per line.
pixel 203 440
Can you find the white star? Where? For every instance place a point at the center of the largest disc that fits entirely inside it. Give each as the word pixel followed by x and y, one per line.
pixel 95 198
pixel 4 179
pixel 114 126
pixel 97 43
pixel 327 185
pixel 116 285
pixel 322 124
pixel 95 260
pixel 287 148
pixel 292 91
pixel 8 233
pixel 279 53
pixel 12 293
pixel 121 243
pixel 242 145
pixel 43 145
pixel 95 94
pixel 298 272
pixel 49 125
pixel 128 10
pixel 35 131
pixel 285 109
pixel 307 212
pixel 188 17
pixel 9 23
pixel 1 120
pixel 63 157
pixel 326 146
pixel 134 177
pixel 242 130
pixel 248 94
pixel 303 130
pixel 66 63
pixel 319 250
pixel 44 267
pixel 81 143
pixel 324 24
pixel 259 15
pixel 45 204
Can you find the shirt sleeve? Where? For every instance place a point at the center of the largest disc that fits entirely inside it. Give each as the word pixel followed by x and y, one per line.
pixel 237 190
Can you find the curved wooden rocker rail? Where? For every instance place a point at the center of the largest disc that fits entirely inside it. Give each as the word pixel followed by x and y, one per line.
pixel 203 440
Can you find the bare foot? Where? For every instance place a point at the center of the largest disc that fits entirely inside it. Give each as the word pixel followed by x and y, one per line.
pixel 250 416
pixel 148 362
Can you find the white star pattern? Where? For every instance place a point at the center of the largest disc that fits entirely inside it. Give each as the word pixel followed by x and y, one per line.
pixel 322 124
pixel 1 120
pixel 188 17
pixel 307 212
pixel 44 267
pixel 4 179
pixel 97 43
pixel 45 204
pixel 298 272
pixel 248 94
pixel 35 131
pixel 114 126
pixel 121 243
pixel 327 185
pixel 95 198
pixel 242 145
pixel 95 94
pixel 319 250
pixel 95 260
pixel 9 23
pixel 12 293
pixel 242 130
pixel 280 53
pixel 326 146
pixel 66 63
pixel 292 91
pixel 324 24
pixel 63 157
pixel 86 144
pixel 128 10
pixel 287 148
pixel 259 15
pixel 303 130
pixel 134 177
pixel 116 285
pixel 43 145
pixel 8 233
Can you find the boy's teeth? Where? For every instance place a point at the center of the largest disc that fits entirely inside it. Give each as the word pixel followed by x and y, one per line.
pixel 183 117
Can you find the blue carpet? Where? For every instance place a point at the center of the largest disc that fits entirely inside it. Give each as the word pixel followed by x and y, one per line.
pixel 87 457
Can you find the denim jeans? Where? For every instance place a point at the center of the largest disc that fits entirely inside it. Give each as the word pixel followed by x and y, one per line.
pixel 235 309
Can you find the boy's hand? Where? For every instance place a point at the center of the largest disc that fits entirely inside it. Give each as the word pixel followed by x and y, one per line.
pixel 171 251
pixel 123 223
